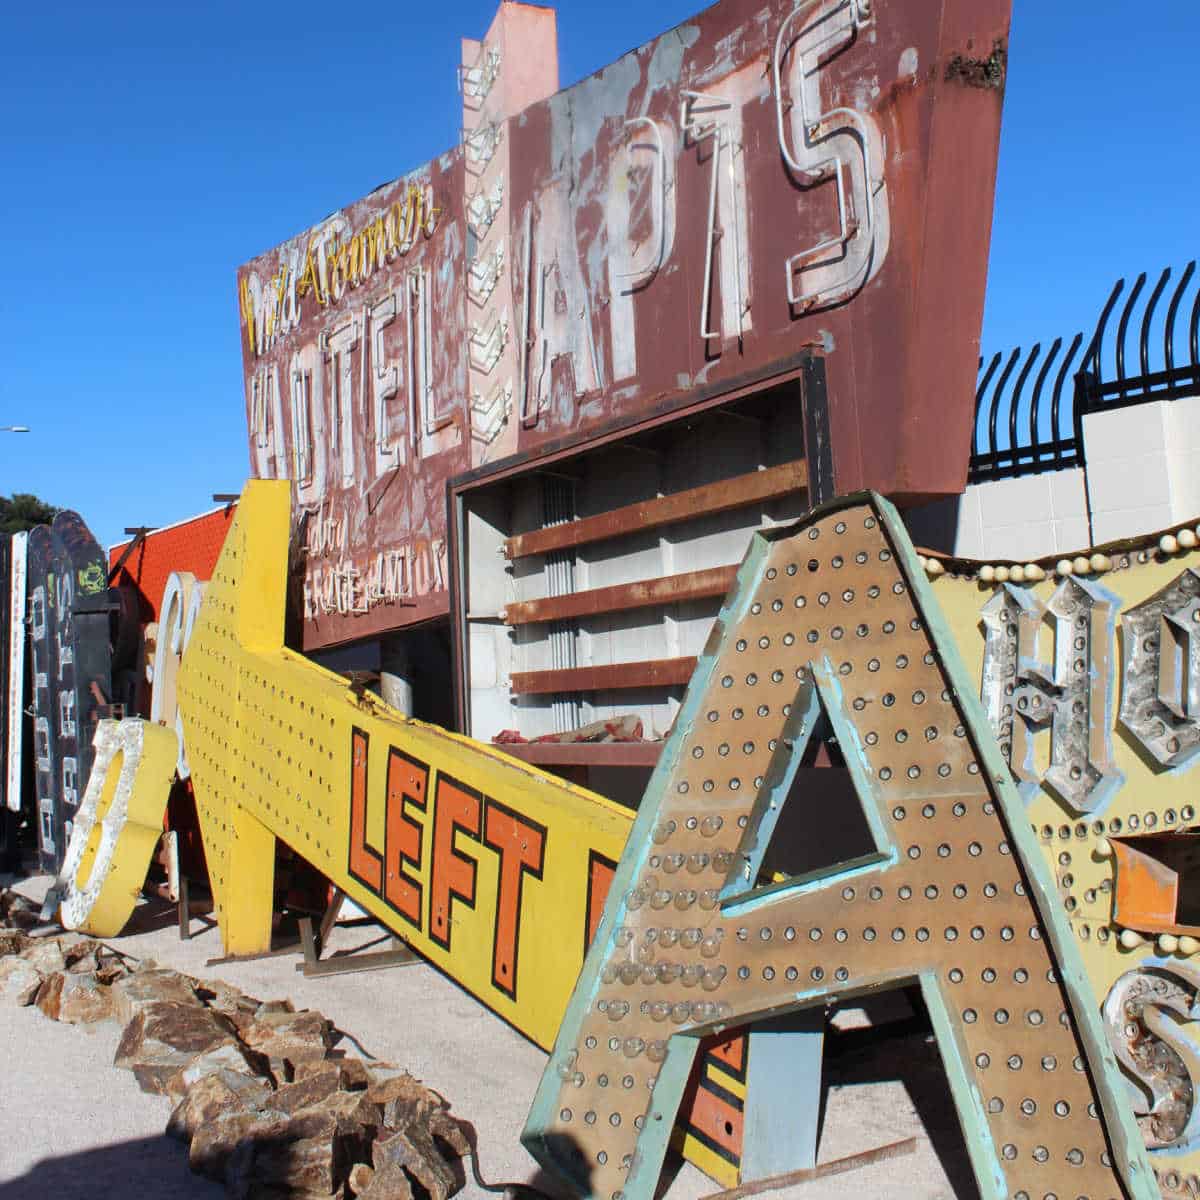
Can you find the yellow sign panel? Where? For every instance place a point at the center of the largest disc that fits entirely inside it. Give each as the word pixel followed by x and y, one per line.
pixel 492 870
pixel 1091 682
pixel 118 825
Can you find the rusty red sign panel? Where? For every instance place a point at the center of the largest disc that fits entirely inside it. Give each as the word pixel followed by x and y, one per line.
pixel 765 180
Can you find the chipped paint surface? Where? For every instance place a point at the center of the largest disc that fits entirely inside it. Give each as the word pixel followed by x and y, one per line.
pixel 762 179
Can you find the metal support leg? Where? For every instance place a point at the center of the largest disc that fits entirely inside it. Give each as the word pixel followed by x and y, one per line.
pixel 313 944
pixel 183 904
pixel 783 1095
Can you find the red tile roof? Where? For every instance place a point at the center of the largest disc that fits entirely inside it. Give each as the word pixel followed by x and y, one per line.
pixel 191 545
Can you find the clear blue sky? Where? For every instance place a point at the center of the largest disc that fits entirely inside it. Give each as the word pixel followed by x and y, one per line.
pixel 146 149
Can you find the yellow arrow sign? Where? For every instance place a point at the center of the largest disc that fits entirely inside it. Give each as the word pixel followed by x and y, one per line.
pixel 492 870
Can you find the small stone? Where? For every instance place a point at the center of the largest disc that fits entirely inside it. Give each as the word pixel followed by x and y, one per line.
pixel 1168 544
pixel 1186 538
pixel 110 972
pixel 1081 565
pixel 153 985
pixel 265 1007
pixel 360 1178
pixel 1063 567
pixel 74 999
pixel 166 1036
pixel 19 980
pixel 987 573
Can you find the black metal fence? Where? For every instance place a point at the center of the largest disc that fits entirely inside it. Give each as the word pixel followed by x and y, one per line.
pixel 1029 407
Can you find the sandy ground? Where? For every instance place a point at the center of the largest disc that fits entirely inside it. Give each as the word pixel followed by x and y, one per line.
pixel 77 1128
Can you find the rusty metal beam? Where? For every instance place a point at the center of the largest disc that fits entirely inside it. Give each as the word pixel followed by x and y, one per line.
pixel 736 492
pixel 586 754
pixel 644 593
pixel 660 672
pixel 839 1166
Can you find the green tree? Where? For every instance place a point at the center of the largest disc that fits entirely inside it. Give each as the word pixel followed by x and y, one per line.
pixel 22 510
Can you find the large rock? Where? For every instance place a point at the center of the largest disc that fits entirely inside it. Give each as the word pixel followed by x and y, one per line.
pixel 153 985
pixel 289 1039
pixel 45 954
pixel 413 1115
pixel 18 912
pixel 19 980
pixel 13 941
pixel 223 997
pixel 217 1094
pixel 268 1153
pixel 352 1072
pixel 164 1037
pixel 308 1165
pixel 214 1142
pixel 414 1150
pixel 225 1056
pixel 74 999
pixel 386 1183
pixel 80 951
pixel 316 1086
pixel 352 1111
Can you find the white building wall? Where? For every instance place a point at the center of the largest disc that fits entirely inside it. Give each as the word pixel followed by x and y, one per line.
pixel 1142 475
pixel 1142 465
pixel 1011 519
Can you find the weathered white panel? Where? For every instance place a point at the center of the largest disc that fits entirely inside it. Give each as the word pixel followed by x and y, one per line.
pixel 16 670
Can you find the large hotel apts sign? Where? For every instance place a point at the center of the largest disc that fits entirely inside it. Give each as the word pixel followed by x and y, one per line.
pixel 763 182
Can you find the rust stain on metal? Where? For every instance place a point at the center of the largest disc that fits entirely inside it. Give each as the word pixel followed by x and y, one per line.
pixel 596 754
pixel 659 672
pixel 839 1166
pixel 989 72
pixel 737 492
pixel 761 178
pixel 621 597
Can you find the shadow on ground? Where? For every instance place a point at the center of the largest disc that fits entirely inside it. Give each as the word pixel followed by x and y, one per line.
pixel 145 1168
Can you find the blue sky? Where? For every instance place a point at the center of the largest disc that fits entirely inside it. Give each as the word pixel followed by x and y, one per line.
pixel 147 149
